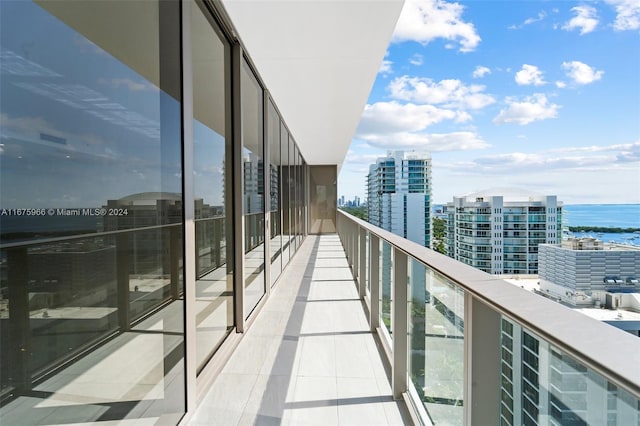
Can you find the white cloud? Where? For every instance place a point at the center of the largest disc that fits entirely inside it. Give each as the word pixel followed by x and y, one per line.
pixel 529 21
pixel 593 158
pixel 391 117
pixel 585 19
pixel 426 20
pixel 481 71
pixel 385 67
pixel 532 108
pixel 357 158
pixel 628 14
pixel 581 73
pixel 432 142
pixel 134 86
pixel 416 59
pixel 528 75
pixel 449 93
pixel 561 84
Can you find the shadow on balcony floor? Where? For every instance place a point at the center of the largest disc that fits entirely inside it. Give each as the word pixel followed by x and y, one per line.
pixel 309 357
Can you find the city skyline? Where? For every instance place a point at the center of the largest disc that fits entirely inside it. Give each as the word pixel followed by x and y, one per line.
pixel 543 96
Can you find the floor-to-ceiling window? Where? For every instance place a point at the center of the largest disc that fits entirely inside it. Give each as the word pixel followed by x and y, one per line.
pixel 93 225
pixel 91 293
pixel 212 174
pixel 252 188
pixel 273 140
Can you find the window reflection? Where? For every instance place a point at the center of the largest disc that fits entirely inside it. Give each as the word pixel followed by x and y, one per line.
pixel 253 189
pixel 90 262
pixel 212 193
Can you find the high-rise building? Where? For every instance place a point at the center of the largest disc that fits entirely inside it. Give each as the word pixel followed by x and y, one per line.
pixel 498 231
pixel 399 195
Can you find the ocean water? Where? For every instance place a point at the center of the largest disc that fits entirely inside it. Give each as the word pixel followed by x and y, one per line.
pixel 607 215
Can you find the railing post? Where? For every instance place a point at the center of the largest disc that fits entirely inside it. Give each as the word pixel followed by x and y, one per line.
pixel 362 272
pixel 347 237
pixel 482 352
pixel 19 330
pixel 356 252
pixel 122 271
pixel 175 253
pixel 374 281
pixel 399 324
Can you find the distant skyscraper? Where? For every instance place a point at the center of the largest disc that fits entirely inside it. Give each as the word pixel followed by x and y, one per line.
pixel 399 195
pixel 498 231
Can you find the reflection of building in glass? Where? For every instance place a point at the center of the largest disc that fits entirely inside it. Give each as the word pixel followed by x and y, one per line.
pixel 399 195
pixel 573 394
pixel 498 231
pixel 584 272
pixel 83 271
pixel 149 249
pixel 253 167
pixel 274 177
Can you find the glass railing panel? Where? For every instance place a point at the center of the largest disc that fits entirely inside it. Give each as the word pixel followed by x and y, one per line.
pixel 436 343
pixel 386 281
pixel 540 382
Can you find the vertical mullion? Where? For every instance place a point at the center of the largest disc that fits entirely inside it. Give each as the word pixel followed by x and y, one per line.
pixel 238 222
pixel 189 240
pixel 266 197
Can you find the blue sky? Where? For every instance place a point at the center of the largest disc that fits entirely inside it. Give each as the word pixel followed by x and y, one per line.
pixel 539 95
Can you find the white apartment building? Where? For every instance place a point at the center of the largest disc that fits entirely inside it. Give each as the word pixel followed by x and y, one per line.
pixel 499 230
pixel 399 195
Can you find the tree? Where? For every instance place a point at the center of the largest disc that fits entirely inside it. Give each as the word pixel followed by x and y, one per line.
pixel 439 233
pixel 359 212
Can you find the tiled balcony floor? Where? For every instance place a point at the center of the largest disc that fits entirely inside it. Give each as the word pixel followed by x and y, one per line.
pixel 309 357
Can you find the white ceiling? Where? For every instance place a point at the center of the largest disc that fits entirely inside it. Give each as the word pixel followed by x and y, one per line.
pixel 318 59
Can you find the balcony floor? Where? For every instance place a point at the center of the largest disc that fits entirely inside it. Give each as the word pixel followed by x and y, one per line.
pixel 309 357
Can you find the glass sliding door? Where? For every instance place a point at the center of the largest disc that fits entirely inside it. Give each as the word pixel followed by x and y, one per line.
pixel 212 186
pixel 275 165
pixel 323 196
pixel 252 188
pixel 91 293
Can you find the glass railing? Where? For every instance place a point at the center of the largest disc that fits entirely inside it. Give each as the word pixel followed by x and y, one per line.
pixel 468 348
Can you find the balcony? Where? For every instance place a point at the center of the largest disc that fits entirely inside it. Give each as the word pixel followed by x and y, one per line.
pixel 416 337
